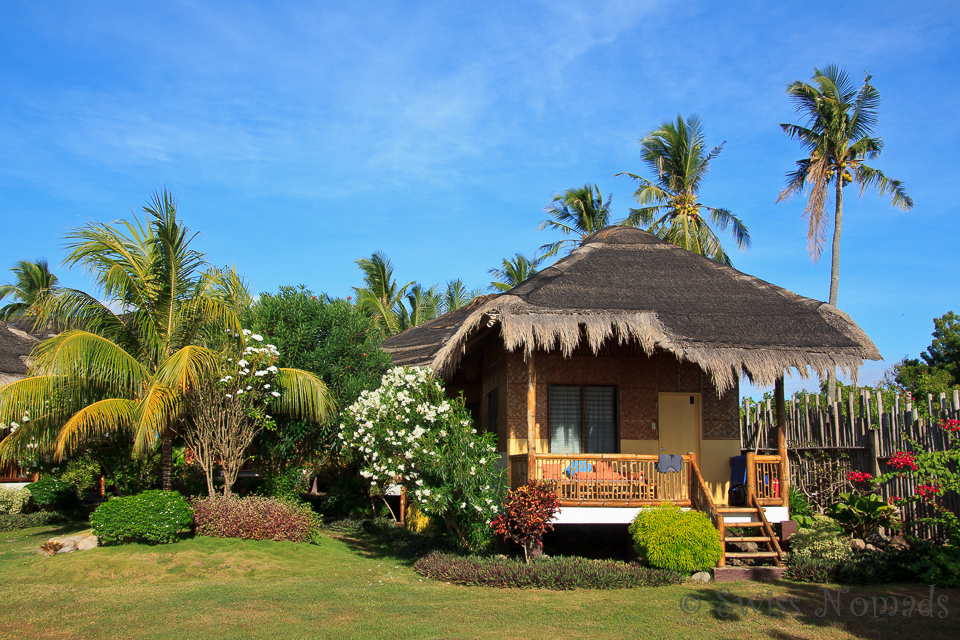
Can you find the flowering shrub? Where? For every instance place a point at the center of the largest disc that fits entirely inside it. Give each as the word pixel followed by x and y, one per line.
pixel 527 513
pixel 13 501
pixel 936 474
pixel 49 492
pixel 253 518
pixel 903 460
pixel 858 476
pixel 543 573
pixel 152 516
pixel 408 431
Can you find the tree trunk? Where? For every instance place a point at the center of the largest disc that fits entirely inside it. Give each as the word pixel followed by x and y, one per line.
pixel 166 461
pixel 835 273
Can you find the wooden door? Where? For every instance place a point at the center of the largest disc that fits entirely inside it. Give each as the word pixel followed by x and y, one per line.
pixel 679 423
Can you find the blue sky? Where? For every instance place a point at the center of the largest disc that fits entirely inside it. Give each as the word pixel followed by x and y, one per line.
pixel 298 137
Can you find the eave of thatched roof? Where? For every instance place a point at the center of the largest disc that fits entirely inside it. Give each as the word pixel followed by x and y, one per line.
pixel 15 347
pixel 627 285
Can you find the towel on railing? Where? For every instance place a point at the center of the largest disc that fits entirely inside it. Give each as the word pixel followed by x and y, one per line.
pixel 667 463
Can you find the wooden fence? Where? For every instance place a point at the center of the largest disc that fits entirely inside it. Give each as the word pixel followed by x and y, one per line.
pixel 856 433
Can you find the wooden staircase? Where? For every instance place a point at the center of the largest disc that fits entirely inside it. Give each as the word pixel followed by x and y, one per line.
pixel 764 535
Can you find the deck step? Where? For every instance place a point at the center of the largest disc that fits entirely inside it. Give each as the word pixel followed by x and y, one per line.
pixel 746 539
pixel 752 554
pixel 737 510
pixel 735 525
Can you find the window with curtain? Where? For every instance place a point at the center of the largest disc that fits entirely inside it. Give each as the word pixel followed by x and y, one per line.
pixel 583 419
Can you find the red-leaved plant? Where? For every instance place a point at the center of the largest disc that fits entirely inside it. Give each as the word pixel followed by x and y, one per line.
pixel 252 518
pixel 527 514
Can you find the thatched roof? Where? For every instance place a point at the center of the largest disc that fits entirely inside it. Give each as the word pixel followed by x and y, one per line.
pixel 15 346
pixel 627 285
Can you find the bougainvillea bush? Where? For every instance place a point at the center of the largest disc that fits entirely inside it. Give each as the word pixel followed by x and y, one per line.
pixel 152 516
pixel 408 432
pixel 253 518
pixel 936 473
pixel 544 573
pixel 527 515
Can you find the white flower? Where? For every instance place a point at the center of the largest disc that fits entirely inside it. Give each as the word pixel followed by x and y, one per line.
pixel 229 396
pixel 242 363
pixel 275 394
pixel 240 392
pixel 426 492
pixel 266 386
pixel 257 337
pixel 247 332
pixel 272 369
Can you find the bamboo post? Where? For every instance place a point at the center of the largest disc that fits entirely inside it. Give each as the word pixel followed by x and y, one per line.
pixel 956 404
pixel 531 418
pixel 852 417
pixel 782 443
pixel 693 465
pixel 751 473
pixel 403 506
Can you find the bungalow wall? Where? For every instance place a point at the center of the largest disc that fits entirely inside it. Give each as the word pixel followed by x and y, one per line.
pixel 495 382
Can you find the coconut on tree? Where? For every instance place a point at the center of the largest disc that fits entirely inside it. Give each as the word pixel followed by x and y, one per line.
pixel 677 156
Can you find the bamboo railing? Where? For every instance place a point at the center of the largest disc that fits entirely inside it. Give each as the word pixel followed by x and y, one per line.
pixel 763 476
pixel 604 479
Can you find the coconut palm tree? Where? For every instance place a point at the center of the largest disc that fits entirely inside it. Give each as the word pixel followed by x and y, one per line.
pixel 126 368
pixel 676 153
pixel 32 283
pixel 424 305
pixel 514 271
pixel 579 212
pixel 456 296
pixel 380 296
pixel 837 138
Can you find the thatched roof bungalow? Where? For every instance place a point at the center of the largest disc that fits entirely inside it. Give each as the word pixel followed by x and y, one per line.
pixel 628 348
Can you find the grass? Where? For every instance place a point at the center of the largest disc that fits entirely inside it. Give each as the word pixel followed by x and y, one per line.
pixel 347 588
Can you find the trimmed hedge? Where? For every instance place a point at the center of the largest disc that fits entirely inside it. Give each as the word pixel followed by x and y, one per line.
pixel 253 518
pixel 924 563
pixel 15 521
pixel 542 573
pixel 152 516
pixel 667 537
pixel 13 501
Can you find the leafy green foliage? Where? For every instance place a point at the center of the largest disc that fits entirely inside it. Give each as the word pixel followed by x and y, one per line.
pixel 49 492
pixel 14 521
pixel 669 538
pixel 543 573
pixel 821 540
pixel 330 338
pixel 82 472
pixel 858 515
pixel 13 501
pixel 253 518
pixel 154 516
pixel 939 370
pixel 527 514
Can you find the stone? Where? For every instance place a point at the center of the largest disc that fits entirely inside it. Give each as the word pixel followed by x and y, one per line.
pixel 747 547
pixel 90 542
pixel 857 544
pixel 702 577
pixel 69 546
pixel 870 547
pixel 877 539
pixel 898 542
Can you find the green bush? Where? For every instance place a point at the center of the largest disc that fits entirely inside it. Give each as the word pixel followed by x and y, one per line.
pixel 48 493
pixel 83 473
pixel 668 537
pixel 858 515
pixel 822 540
pixel 13 501
pixel 15 521
pixel 152 516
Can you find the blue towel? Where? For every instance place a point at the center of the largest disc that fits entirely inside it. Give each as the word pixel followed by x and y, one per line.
pixel 578 466
pixel 667 463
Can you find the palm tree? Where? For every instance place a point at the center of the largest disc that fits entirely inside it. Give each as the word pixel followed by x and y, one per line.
pixel 676 153
pixel 380 296
pixel 579 212
pixel 837 138
pixel 32 283
pixel 457 296
pixel 514 271
pixel 424 305
pixel 129 372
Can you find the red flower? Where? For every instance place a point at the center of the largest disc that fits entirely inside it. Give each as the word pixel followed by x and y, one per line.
pixel 928 490
pixel 952 426
pixel 858 476
pixel 903 460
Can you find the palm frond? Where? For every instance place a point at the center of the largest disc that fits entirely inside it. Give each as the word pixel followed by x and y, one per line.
pixel 304 395
pixel 99 418
pixel 85 358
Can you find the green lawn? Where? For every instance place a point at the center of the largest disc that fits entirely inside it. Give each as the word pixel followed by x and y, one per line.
pixel 209 588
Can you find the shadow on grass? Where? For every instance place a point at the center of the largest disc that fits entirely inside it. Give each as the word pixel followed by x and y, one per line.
pixel 383 539
pixel 876 611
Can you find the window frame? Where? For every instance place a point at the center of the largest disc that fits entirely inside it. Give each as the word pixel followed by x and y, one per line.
pixel 583 415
